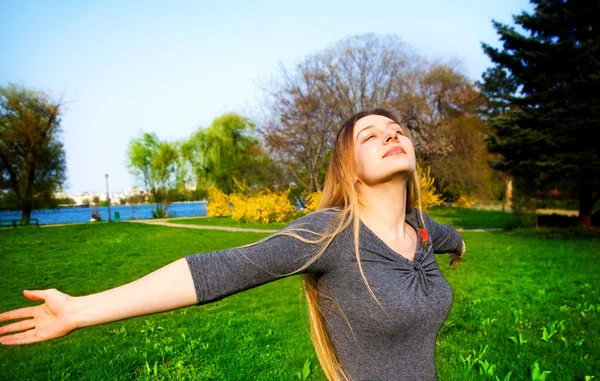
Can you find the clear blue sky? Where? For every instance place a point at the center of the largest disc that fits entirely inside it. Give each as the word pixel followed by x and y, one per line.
pixel 171 67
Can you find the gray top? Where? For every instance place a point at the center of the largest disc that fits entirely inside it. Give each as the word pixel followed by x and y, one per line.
pixel 395 344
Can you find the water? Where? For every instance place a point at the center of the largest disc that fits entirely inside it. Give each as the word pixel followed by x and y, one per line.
pixel 70 215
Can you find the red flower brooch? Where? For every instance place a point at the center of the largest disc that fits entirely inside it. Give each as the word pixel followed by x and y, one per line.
pixel 424 237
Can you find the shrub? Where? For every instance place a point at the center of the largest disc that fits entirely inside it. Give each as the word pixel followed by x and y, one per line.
pixel 217 204
pixel 312 201
pixel 265 206
pixel 429 197
pixel 464 201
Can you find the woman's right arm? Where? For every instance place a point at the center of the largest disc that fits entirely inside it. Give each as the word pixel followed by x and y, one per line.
pixel 165 289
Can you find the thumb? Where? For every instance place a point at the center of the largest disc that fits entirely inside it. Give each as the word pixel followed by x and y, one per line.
pixel 35 294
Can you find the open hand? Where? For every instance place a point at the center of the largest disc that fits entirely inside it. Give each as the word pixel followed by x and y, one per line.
pixel 43 322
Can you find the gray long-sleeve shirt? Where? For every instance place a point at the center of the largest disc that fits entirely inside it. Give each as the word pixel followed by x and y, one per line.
pixel 395 344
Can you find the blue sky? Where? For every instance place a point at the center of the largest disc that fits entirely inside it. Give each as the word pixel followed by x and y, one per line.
pixel 171 67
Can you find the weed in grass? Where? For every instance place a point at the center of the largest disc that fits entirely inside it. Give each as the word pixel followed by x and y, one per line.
pixel 119 331
pixel 473 358
pixel 551 329
pixel 468 362
pixel 564 308
pixel 305 373
pixel 506 378
pixel 151 328
pixel 518 313
pixel 519 340
pixel 485 323
pixel 537 374
pixel 152 371
pixel 486 369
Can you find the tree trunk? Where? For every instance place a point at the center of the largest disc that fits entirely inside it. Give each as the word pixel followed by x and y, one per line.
pixel 26 210
pixel 586 204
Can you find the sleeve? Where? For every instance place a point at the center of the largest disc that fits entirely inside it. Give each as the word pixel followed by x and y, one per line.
pixel 222 273
pixel 444 238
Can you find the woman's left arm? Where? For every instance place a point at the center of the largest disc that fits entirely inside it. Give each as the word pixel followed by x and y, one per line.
pixel 446 239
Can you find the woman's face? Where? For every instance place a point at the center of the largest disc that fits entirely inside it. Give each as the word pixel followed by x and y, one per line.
pixel 381 151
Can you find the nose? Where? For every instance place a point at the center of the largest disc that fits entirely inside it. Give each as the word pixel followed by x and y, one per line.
pixel 391 136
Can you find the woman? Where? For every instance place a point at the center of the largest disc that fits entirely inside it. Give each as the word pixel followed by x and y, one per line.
pixel 376 296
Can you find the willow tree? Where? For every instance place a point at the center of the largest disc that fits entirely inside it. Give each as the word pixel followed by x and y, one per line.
pixel 228 149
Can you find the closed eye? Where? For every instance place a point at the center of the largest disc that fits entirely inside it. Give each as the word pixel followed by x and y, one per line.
pixel 369 137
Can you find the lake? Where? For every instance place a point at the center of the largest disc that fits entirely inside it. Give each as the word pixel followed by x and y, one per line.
pixel 127 212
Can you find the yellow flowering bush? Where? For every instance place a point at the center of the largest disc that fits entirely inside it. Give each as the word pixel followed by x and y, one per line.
pixel 313 200
pixel 217 204
pixel 265 206
pixel 429 197
pixel 464 201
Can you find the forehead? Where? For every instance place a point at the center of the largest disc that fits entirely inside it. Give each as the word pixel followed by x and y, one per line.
pixel 372 120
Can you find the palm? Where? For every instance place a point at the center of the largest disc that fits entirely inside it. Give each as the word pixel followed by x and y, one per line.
pixel 43 322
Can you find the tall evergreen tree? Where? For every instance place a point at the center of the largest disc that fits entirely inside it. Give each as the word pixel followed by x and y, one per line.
pixel 544 98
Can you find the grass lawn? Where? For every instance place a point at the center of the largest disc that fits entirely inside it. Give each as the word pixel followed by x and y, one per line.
pixel 228 221
pixel 519 297
pixel 457 217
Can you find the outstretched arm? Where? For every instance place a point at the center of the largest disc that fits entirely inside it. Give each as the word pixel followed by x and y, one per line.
pixel 165 289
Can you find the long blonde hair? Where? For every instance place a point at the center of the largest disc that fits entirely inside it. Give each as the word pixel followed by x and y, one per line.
pixel 340 192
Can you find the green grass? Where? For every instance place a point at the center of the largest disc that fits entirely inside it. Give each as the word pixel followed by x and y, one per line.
pixel 457 217
pixel 509 284
pixel 472 218
pixel 228 221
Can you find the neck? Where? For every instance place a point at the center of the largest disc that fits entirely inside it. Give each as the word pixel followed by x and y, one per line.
pixel 383 207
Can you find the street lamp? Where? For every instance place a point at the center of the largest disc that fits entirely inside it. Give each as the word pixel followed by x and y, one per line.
pixel 107 197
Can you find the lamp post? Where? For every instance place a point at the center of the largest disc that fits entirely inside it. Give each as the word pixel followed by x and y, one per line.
pixel 107 197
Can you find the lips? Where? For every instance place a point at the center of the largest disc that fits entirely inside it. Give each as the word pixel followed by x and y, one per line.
pixel 394 151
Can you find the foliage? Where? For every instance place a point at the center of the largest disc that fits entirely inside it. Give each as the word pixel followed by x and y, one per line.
pixel 159 166
pixel 32 157
pixel 228 149
pixel 217 204
pixel 464 201
pixel 264 206
pixel 543 100
pixel 313 200
pixel 429 197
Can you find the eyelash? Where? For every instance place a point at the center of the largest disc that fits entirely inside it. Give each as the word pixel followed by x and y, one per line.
pixel 372 136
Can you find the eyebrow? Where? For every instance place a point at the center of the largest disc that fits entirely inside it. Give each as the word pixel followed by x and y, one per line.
pixel 371 126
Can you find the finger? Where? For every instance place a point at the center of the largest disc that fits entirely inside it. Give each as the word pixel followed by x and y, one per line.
pixel 26 337
pixel 18 326
pixel 20 313
pixel 456 264
pixel 35 294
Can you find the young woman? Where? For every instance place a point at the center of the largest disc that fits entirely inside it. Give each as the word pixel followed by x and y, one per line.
pixel 376 296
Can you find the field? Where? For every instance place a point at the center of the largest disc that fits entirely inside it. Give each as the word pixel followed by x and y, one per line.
pixel 521 298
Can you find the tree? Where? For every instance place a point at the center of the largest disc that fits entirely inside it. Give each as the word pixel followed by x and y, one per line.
pixel 32 157
pixel 306 104
pixel 228 149
pixel 544 99
pixel 158 166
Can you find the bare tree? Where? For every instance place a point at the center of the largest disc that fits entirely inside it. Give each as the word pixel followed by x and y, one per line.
pixel 305 105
